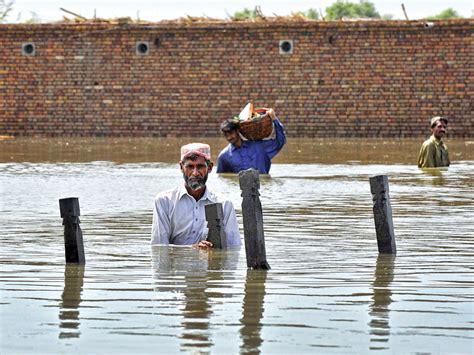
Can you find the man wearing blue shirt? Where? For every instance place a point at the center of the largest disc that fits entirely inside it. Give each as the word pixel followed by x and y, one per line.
pixel 243 154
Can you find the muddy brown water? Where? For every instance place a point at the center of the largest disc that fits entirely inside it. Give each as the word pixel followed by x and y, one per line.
pixel 328 291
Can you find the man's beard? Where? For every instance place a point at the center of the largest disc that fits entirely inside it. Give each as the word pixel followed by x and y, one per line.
pixel 195 183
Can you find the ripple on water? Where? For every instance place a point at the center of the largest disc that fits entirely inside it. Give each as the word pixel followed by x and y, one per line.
pixel 327 281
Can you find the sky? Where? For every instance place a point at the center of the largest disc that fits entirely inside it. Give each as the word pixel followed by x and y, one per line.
pixel 157 10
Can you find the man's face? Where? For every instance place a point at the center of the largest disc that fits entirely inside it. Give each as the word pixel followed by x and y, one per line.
pixel 439 130
pixel 232 137
pixel 195 172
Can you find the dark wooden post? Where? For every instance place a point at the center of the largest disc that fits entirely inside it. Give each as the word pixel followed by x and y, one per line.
pixel 253 220
pixel 383 214
pixel 216 233
pixel 73 243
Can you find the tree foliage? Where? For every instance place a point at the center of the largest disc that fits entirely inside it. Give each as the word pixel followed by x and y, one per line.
pixel 345 9
pixel 312 14
pixel 6 6
pixel 341 9
pixel 445 15
pixel 248 14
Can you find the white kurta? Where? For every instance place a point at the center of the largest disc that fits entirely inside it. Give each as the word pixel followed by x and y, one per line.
pixel 179 219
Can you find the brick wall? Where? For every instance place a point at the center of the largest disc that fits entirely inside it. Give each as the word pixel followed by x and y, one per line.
pixel 342 79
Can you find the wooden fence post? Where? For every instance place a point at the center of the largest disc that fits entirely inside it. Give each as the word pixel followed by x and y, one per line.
pixel 382 214
pixel 216 234
pixel 253 220
pixel 73 243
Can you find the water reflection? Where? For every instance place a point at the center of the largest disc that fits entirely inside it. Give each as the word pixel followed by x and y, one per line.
pixel 437 175
pixel 253 307
pixel 381 300
pixel 70 301
pixel 192 274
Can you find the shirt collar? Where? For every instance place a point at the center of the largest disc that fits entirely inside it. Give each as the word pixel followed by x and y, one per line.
pixel 208 195
pixel 437 141
pixel 242 145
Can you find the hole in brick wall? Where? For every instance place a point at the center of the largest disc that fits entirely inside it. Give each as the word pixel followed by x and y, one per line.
pixel 331 39
pixel 28 48
pixel 157 42
pixel 286 46
pixel 142 48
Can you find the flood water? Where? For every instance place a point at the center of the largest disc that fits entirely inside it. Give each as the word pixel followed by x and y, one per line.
pixel 328 290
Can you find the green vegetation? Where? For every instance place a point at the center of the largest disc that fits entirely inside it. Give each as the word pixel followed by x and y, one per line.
pixel 445 15
pixel 6 6
pixel 341 9
pixel 247 14
pixel 345 9
pixel 311 14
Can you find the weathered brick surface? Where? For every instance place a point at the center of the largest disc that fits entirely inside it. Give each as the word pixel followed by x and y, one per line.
pixel 357 79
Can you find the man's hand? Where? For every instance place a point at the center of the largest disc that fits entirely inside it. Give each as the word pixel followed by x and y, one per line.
pixel 203 244
pixel 271 113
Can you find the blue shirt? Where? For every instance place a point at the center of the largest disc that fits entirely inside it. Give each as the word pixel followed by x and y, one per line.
pixel 252 154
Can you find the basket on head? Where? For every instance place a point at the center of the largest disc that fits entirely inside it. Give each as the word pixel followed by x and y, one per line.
pixel 257 128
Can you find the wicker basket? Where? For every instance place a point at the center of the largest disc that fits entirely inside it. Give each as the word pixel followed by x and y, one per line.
pixel 257 128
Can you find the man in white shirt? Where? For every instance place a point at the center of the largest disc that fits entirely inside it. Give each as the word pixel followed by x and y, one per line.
pixel 179 215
